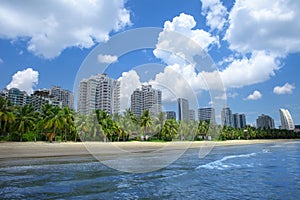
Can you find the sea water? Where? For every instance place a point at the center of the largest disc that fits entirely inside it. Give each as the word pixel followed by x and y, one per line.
pixel 260 171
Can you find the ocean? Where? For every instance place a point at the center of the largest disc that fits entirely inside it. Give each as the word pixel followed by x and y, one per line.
pixel 259 171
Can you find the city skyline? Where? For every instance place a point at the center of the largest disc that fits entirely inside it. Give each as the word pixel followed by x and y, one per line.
pixel 150 99
pixel 259 72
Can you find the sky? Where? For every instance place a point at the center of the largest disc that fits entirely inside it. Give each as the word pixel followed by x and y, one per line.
pixel 254 47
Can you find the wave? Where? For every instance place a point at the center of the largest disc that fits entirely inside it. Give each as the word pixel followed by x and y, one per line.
pixel 220 165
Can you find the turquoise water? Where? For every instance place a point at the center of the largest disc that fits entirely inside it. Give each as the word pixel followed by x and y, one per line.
pixel 261 171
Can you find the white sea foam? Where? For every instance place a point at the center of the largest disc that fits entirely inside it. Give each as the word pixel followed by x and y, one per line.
pixel 266 151
pixel 220 165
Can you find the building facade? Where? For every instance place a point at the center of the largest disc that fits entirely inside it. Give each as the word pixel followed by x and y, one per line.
pixel 16 96
pixel 286 119
pixel 41 97
pixel 238 120
pixel 183 109
pixel 265 122
pixel 99 92
pixel 64 96
pixel 226 117
pixel 192 116
pixel 145 98
pixel 207 114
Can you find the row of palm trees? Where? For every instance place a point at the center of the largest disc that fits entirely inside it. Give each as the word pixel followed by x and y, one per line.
pixel 23 122
pixel 229 133
pixel 63 124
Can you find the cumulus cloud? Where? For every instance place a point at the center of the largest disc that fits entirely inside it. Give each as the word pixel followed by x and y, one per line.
pixel 179 45
pixel 215 14
pixel 173 83
pixel 172 42
pixel 107 58
pixel 24 80
pixel 248 71
pixel 56 25
pixel 254 96
pixel 269 25
pixel 285 89
pixel 129 81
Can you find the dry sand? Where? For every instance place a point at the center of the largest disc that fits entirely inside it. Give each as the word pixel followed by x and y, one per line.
pixel 13 150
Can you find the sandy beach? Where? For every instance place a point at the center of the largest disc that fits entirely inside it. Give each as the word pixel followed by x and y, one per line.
pixel 11 150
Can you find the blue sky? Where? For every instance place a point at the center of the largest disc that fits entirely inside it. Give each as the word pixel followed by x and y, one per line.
pixel 254 44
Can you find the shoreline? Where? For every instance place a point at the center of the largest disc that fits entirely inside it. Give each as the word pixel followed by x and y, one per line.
pixel 22 150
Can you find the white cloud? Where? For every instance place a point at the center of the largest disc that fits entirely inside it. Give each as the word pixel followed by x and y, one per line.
pixel 56 25
pixel 254 96
pixel 1 61
pixel 129 82
pixel 269 25
pixel 174 83
pixel 285 89
pixel 173 40
pixel 24 80
pixel 224 96
pixel 248 71
pixel 178 45
pixel 107 58
pixel 215 14
pixel 232 95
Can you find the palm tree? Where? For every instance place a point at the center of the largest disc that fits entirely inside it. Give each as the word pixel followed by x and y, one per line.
pixel 161 118
pixel 106 123
pixel 53 122
pixel 145 121
pixel 7 116
pixel 25 120
pixel 82 127
pixel 68 121
pixel 170 129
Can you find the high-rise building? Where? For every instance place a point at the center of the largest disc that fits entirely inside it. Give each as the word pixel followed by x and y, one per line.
pixel 242 120
pixel 41 97
pixel 207 114
pixel 238 120
pixel 64 96
pixel 108 95
pixel 183 109
pixel 171 115
pixel 99 92
pixel 286 120
pixel 265 122
pixel 16 96
pixel 192 115
pixel 226 117
pixel 145 98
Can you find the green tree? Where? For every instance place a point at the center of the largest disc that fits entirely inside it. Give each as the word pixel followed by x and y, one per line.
pixel 159 123
pixel 145 122
pixel 53 121
pixel 67 122
pixel 82 126
pixel 7 116
pixel 170 129
pixel 25 120
pixel 106 124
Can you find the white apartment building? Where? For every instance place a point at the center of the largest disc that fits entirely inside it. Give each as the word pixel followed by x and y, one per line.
pixel 64 96
pixel 286 120
pixel 99 92
pixel 145 98
pixel 183 109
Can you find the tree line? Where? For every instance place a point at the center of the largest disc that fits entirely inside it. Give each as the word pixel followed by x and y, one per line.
pixel 52 123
